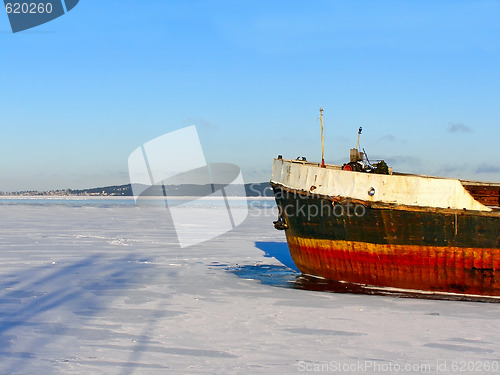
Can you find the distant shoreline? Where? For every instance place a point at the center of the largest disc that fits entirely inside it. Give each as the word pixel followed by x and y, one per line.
pixel 61 197
pixel 131 198
pixel 257 189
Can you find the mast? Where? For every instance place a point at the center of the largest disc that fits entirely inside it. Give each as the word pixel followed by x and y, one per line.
pixel 359 135
pixel 322 140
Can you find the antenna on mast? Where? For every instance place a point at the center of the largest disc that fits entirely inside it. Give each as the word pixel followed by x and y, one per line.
pixel 359 135
pixel 322 140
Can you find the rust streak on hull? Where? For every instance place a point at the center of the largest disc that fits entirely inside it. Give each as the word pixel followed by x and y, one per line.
pixel 452 270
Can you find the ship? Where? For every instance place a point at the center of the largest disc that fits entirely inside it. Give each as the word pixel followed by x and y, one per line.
pixel 365 224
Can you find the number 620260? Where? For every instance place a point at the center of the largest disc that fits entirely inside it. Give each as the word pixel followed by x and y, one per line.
pixel 28 8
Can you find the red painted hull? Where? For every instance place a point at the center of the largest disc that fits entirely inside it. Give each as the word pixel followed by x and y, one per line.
pixel 426 268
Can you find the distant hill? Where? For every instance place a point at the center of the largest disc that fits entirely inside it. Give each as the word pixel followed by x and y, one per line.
pixel 261 189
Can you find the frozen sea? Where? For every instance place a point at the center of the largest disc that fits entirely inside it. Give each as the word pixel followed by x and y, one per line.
pixel 103 287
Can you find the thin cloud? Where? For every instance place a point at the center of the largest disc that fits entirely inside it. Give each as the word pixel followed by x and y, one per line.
pixel 459 128
pixel 388 138
pixel 485 168
pixel 450 170
pixel 391 138
pixel 404 161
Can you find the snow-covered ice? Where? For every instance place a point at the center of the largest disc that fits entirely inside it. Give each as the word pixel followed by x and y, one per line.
pixel 106 289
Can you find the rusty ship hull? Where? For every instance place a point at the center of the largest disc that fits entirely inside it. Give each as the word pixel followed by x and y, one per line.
pixel 398 231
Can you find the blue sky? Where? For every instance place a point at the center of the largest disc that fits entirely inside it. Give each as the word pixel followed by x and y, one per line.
pixel 80 93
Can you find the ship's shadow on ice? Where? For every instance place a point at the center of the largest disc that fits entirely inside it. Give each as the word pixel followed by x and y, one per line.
pixel 279 251
pixel 287 275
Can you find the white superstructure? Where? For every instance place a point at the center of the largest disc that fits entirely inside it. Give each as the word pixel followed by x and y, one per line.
pixel 409 190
